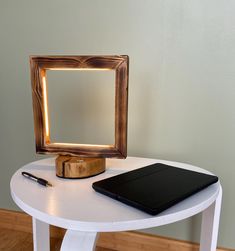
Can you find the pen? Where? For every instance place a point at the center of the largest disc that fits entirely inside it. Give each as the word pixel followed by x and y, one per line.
pixel 36 179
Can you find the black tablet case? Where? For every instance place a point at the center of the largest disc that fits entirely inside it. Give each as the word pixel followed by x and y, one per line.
pixel 154 188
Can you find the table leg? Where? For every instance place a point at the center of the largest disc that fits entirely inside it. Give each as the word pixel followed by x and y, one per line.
pixel 210 225
pixel 41 240
pixel 79 241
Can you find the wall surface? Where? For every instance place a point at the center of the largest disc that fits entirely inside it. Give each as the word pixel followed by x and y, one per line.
pixel 182 91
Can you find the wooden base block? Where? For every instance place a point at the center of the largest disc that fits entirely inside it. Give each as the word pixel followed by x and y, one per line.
pixel 76 167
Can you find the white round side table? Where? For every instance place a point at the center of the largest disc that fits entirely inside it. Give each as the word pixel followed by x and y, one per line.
pixel 74 205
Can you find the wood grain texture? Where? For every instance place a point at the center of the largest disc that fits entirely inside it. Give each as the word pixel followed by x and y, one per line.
pixel 15 240
pixel 11 240
pixel 118 241
pixel 76 167
pixel 14 220
pixel 40 64
pixel 83 62
pixel 135 241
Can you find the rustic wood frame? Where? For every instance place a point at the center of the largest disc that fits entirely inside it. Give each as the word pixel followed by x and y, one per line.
pixel 40 64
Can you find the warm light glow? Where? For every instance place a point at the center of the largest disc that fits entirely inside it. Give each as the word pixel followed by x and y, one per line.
pixel 79 69
pixel 78 145
pixel 45 105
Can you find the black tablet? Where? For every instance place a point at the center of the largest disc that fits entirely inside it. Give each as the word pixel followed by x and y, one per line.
pixel 154 188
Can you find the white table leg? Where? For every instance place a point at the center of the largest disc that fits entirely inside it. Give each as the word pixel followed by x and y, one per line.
pixel 210 225
pixel 41 240
pixel 79 241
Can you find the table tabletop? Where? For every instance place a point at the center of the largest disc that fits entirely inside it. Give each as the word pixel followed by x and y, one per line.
pixel 74 204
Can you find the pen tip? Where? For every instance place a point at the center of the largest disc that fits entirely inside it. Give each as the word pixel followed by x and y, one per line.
pixel 49 184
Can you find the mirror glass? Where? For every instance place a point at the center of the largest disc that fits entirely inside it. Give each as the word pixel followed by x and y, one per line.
pixel 81 106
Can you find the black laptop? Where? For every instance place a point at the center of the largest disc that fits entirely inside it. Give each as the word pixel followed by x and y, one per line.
pixel 154 188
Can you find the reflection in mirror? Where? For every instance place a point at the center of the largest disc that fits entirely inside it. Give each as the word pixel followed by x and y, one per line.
pixel 81 106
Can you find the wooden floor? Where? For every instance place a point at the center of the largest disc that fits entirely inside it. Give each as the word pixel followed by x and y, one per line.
pixel 21 241
pixel 16 235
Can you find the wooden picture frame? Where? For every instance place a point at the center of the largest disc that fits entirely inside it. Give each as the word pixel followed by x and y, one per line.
pixel 39 66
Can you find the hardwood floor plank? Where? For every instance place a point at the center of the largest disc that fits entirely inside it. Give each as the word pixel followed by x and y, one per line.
pixel 16 234
pixel 11 240
pixel 15 240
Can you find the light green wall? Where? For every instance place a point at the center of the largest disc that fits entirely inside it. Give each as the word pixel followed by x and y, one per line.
pixel 182 91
